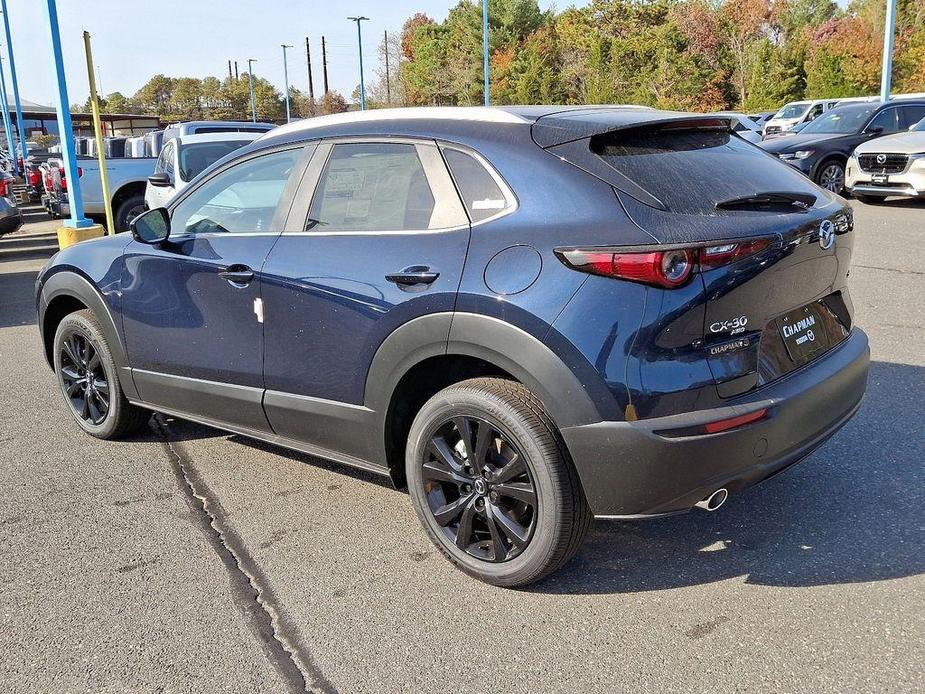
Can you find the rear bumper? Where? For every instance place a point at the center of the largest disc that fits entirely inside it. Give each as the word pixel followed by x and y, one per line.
pixel 629 470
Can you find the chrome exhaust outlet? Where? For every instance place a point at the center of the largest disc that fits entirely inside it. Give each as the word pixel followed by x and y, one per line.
pixel 714 501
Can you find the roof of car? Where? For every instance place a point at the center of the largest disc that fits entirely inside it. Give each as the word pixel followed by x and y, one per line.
pixel 550 125
pixel 218 137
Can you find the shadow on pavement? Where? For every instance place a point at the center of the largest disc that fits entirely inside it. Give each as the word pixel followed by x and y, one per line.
pixel 17 302
pixel 850 513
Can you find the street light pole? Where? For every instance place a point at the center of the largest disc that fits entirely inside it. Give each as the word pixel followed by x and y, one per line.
pixel 360 47
pixel 286 80
pixel 889 30
pixel 250 79
pixel 19 121
pixel 485 52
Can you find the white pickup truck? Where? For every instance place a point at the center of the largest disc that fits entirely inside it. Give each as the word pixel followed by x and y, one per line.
pixel 127 179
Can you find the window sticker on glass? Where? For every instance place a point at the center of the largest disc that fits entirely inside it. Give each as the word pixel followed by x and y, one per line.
pixel 488 204
pixel 345 183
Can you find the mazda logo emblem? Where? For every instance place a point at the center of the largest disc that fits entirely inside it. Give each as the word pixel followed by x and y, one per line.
pixel 826 235
pixel 881 159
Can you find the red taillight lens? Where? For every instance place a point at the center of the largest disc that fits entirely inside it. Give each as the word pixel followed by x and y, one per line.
pixel 4 188
pixel 715 256
pixel 733 422
pixel 668 268
pixel 661 268
pixel 34 178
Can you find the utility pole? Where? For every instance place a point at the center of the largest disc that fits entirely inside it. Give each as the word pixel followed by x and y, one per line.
pixel 308 58
pixel 360 48
pixel 24 149
pixel 324 64
pixel 236 78
pixel 889 29
pixel 388 77
pixel 485 52
pixel 286 81
pixel 229 69
pixel 250 79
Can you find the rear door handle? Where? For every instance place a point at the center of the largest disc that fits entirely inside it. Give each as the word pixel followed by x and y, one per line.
pixel 416 274
pixel 237 275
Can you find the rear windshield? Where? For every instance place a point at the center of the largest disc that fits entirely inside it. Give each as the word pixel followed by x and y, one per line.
pixel 692 170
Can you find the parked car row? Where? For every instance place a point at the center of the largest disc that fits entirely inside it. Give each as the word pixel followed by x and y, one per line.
pixel 872 149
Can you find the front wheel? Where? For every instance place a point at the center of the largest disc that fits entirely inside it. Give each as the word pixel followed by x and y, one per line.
pixel 493 484
pixel 89 381
pixel 831 176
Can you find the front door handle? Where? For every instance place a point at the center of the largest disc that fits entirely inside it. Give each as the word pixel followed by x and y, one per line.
pixel 237 275
pixel 416 274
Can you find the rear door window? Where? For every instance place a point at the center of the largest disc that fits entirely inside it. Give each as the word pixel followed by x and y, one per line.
pixel 479 189
pixel 690 171
pixel 374 186
pixel 911 115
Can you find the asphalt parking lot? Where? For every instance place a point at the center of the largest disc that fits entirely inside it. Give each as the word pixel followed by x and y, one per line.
pixel 192 560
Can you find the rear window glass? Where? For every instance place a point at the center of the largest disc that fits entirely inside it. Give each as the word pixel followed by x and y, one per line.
pixel 692 170
pixel 480 193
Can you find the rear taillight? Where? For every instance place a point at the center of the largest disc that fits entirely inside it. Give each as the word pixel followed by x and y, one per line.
pixel 34 178
pixel 669 268
pixel 4 188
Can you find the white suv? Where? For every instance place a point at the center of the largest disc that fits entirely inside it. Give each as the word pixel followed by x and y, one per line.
pixel 795 114
pixel 889 166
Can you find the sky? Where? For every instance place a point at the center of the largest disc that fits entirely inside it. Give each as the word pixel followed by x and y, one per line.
pixel 134 40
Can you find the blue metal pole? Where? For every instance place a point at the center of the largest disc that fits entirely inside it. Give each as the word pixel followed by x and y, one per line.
pixel 7 123
pixel 485 51
pixel 889 30
pixel 65 129
pixel 24 148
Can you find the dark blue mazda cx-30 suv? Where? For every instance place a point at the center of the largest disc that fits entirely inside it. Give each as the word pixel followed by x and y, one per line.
pixel 528 316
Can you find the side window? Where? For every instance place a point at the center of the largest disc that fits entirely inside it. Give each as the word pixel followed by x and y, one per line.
pixel 242 198
pixel 373 187
pixel 888 119
pixel 911 115
pixel 163 157
pixel 481 194
pixel 814 113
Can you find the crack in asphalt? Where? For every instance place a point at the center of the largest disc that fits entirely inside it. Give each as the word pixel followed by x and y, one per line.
pixel 897 270
pixel 250 587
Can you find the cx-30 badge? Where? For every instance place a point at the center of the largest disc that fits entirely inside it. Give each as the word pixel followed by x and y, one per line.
pixel 826 235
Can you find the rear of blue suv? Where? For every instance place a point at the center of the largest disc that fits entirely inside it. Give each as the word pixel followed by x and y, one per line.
pixel 530 317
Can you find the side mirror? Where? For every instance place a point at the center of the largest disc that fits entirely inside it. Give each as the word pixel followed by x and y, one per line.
pixel 152 226
pixel 875 130
pixel 160 180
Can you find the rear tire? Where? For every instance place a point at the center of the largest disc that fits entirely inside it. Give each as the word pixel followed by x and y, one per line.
pixel 130 208
pixel 524 474
pixel 89 381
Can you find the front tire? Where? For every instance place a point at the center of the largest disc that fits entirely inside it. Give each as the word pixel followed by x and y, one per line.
pixel 89 381
pixel 493 484
pixel 831 176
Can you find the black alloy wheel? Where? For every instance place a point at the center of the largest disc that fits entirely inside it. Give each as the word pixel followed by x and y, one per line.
pixel 479 489
pixel 84 379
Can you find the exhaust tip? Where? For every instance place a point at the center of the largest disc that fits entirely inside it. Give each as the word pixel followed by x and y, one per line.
pixel 714 501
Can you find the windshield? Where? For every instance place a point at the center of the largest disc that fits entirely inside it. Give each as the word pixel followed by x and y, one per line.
pixel 792 111
pixel 196 158
pixel 839 120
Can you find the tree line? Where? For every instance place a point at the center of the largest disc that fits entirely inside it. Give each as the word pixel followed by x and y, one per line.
pixel 701 55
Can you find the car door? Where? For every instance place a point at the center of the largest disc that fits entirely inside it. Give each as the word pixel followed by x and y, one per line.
pixel 377 236
pixel 192 310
